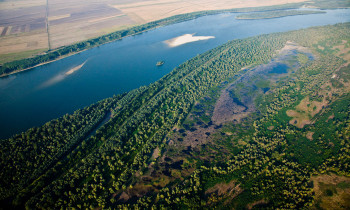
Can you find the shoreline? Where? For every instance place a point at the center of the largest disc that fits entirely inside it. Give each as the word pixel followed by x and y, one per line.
pixel 196 15
pixel 40 64
pixel 70 54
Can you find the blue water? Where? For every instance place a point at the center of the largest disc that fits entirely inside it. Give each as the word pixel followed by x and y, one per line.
pixel 34 97
pixel 279 68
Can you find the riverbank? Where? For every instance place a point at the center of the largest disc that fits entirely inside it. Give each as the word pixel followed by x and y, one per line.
pixel 65 56
pixel 29 63
pixel 125 65
pixel 276 14
pixel 41 64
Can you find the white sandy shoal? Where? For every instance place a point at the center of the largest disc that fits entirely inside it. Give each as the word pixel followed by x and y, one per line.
pixel 186 38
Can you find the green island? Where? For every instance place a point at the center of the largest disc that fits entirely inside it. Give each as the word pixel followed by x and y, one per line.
pixel 276 14
pixel 262 122
pixel 55 54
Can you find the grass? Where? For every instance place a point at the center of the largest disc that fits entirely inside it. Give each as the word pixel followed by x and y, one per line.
pixel 343 185
pixel 332 192
pixel 4 58
pixel 326 143
pixel 344 73
pixel 325 48
pixel 263 83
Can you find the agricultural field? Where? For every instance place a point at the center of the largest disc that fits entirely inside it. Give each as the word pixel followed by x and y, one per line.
pixel 145 11
pixel 22 27
pixel 261 122
pixel 33 26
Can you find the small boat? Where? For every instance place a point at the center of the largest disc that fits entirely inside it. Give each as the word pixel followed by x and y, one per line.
pixel 160 63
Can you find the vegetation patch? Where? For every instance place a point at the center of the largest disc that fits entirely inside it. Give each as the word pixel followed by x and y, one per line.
pixel 276 14
pixel 146 156
pixel 331 192
pixel 304 112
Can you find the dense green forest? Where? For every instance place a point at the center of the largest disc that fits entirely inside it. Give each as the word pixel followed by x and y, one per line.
pixel 164 145
pixel 325 4
pixel 276 14
pixel 26 63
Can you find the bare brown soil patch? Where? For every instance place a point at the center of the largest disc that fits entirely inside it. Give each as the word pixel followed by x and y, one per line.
pixel 157 9
pixel 344 52
pixel 299 120
pixel 27 42
pixel 222 188
pixel 156 153
pixel 226 191
pixel 320 47
pixel 305 111
pixel 58 17
pixel 251 205
pixel 309 135
pixel 20 4
pixel 289 46
pixel 330 117
pixel 158 175
pixel 22 20
pixel 79 20
pixel 331 192
pixel 123 197
pixel 330 179
pixel 138 190
pixel 226 110
pixel 199 136
pixel 312 107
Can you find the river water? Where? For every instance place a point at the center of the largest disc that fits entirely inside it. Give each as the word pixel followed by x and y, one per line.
pixel 33 97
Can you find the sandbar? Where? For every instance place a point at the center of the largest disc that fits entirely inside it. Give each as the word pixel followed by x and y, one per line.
pixel 186 38
pixel 72 70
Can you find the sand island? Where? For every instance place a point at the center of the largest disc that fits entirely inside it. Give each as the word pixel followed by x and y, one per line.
pixel 72 70
pixel 186 38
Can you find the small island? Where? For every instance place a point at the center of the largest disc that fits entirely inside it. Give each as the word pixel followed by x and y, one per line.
pixel 160 63
pixel 186 38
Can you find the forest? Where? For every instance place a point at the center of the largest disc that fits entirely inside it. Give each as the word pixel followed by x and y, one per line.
pixel 167 145
pixel 51 55
pixel 276 14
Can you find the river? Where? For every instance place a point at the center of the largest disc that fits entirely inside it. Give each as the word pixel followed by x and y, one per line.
pixel 33 97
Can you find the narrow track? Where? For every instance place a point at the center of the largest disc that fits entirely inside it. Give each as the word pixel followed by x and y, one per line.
pixel 47 24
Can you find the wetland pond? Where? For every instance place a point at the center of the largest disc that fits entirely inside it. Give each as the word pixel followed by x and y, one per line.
pixel 33 97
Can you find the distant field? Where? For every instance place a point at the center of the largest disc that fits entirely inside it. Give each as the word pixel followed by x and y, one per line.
pixel 146 11
pixel 20 55
pixel 23 22
pixel 29 43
